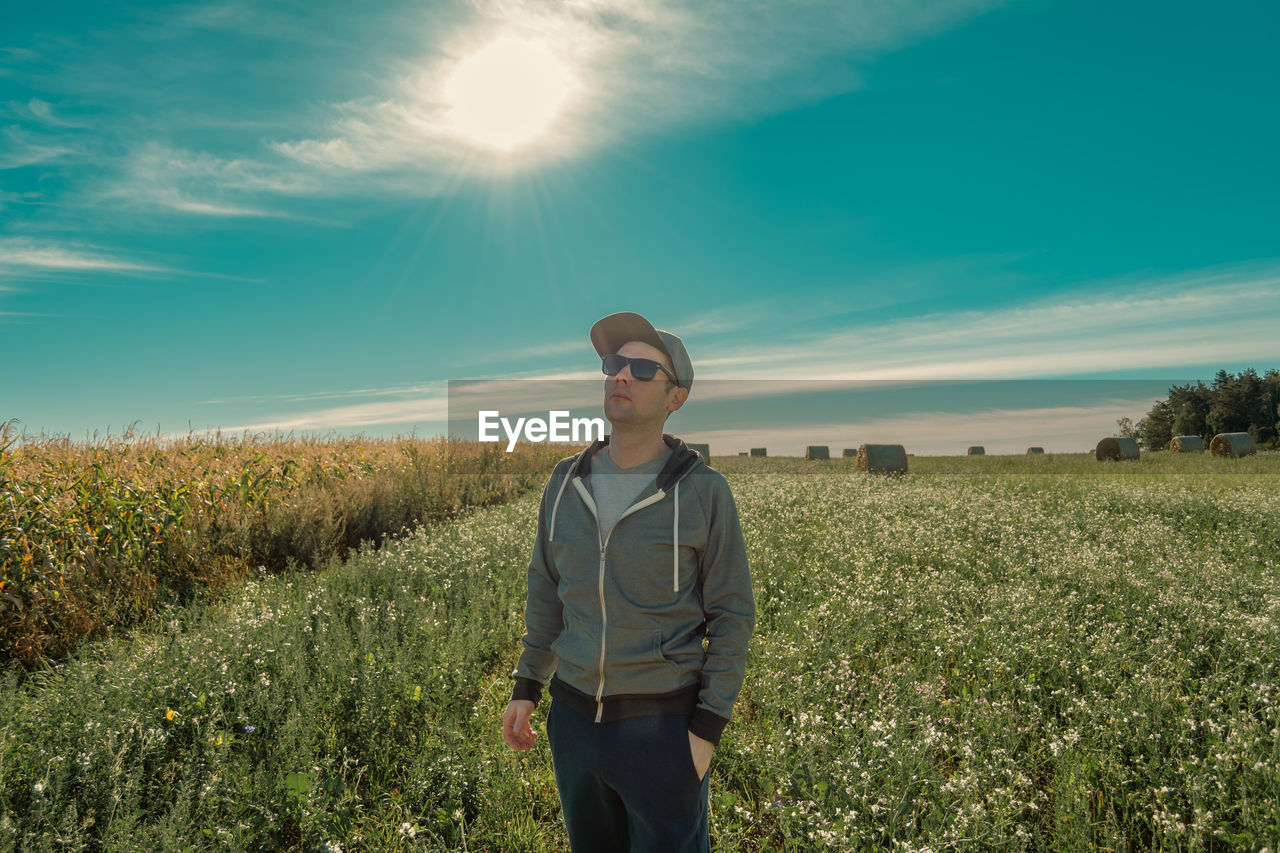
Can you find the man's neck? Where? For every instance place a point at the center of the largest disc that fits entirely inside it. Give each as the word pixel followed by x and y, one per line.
pixel 627 450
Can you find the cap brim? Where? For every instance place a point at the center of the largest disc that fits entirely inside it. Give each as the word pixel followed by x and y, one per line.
pixel 609 334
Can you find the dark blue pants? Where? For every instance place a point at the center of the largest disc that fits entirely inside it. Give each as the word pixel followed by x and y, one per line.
pixel 628 786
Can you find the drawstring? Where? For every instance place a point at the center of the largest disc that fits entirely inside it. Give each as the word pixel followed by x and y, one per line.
pixel 675 526
pixel 675 545
pixel 551 537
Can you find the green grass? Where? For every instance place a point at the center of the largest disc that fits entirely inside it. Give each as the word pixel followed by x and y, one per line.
pixel 999 653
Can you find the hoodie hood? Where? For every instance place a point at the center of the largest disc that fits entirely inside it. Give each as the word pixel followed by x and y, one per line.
pixel 683 460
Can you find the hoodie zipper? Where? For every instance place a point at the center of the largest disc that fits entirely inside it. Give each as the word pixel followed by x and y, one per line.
pixel 604 613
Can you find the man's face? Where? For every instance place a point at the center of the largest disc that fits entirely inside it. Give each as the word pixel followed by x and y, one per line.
pixel 631 401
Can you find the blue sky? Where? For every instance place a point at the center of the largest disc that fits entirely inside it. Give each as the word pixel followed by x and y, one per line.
pixel 264 216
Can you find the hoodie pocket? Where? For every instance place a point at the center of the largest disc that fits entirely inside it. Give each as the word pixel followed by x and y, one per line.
pixel 683 652
pixel 634 661
pixel 658 653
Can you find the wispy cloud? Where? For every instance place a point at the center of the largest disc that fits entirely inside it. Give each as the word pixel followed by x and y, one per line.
pixel 11 58
pixel 1216 316
pixel 9 199
pixel 158 176
pixel 409 391
pixel 43 112
pixel 721 321
pixel 1222 315
pixel 26 255
pixel 23 148
pixel 18 317
pixel 641 66
pixel 431 410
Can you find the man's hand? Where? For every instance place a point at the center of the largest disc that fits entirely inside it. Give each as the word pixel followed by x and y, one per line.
pixel 701 750
pixel 516 730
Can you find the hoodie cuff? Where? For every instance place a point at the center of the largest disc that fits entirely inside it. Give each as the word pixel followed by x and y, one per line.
pixel 526 688
pixel 707 725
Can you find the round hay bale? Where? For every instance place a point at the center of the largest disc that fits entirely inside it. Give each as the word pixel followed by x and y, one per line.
pixel 1233 444
pixel 882 459
pixel 850 452
pixel 759 451
pixel 977 450
pixel 1035 451
pixel 742 453
pixel 1115 448
pixel 1187 444
pixel 817 451
pixel 704 449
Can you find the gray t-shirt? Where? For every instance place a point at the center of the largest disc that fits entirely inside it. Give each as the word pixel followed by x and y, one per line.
pixel 615 489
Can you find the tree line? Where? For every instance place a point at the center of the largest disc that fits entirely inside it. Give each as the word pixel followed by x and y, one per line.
pixel 1245 403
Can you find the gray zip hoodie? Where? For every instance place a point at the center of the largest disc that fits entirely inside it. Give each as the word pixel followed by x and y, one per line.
pixel 620 619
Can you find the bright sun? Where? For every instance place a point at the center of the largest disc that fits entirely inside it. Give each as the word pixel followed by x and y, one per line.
pixel 506 94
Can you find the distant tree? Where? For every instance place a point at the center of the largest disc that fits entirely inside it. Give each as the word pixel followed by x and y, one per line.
pixel 1155 431
pixel 1125 427
pixel 1190 405
pixel 1271 385
pixel 1245 403
pixel 1229 411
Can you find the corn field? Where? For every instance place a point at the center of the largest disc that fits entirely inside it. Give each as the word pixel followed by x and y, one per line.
pixel 95 538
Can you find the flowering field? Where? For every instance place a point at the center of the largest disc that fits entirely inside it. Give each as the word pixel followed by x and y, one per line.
pixel 987 654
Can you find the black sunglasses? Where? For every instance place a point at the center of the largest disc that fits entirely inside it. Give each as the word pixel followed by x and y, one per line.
pixel 643 369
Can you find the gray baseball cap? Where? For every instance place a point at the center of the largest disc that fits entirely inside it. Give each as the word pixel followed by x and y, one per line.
pixel 610 333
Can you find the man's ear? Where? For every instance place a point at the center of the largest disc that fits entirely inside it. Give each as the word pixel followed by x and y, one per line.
pixel 678 398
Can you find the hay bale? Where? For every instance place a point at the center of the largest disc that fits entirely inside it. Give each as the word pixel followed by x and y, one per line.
pixel 1233 444
pixel 882 459
pixel 704 449
pixel 1187 444
pixel 850 452
pixel 1035 451
pixel 977 450
pixel 817 451
pixel 1115 448
pixel 742 453
pixel 759 451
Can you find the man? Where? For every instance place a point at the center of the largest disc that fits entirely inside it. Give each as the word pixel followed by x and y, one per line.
pixel 639 557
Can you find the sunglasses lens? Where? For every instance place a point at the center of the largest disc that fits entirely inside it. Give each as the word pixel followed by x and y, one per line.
pixel 643 369
pixel 612 364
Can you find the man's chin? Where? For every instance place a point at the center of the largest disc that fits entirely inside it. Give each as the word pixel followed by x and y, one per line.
pixel 618 409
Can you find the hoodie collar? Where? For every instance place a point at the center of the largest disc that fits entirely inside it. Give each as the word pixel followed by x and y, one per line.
pixel 682 461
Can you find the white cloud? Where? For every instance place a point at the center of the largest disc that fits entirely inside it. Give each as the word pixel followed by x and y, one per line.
pixel 21 254
pixel 22 148
pixel 157 175
pixel 427 409
pixel 177 202
pixel 10 199
pixel 1217 316
pixel 641 66
pixel 42 111
pixel 402 391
